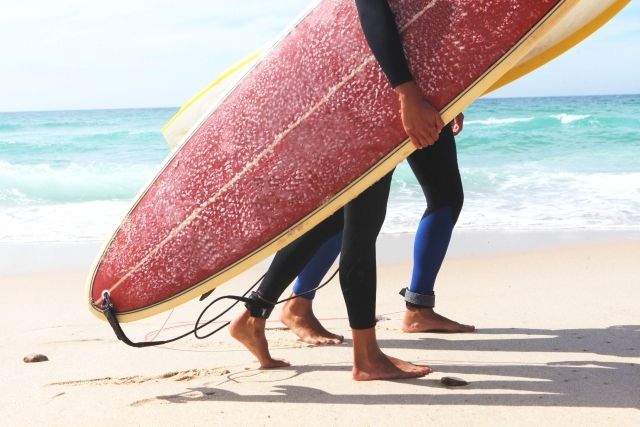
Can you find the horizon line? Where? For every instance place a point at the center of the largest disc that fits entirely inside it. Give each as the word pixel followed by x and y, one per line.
pixel 178 107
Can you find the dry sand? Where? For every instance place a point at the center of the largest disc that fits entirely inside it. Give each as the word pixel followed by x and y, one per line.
pixel 558 343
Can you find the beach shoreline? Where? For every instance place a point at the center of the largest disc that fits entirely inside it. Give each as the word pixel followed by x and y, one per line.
pixel 26 257
pixel 557 343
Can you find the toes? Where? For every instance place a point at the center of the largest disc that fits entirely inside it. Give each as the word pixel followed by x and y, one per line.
pixel 274 363
pixel 464 328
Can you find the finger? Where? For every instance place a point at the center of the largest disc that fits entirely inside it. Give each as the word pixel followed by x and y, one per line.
pixel 432 126
pixel 434 138
pixel 421 142
pixel 436 131
pixel 430 137
pixel 415 141
pixel 457 126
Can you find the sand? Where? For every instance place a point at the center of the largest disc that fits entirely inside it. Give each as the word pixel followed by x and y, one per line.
pixel 558 343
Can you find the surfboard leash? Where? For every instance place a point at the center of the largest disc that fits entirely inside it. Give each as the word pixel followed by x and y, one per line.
pixel 108 310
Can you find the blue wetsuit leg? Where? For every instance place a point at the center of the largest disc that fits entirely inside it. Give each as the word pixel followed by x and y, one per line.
pixel 436 168
pixel 316 269
pixel 429 249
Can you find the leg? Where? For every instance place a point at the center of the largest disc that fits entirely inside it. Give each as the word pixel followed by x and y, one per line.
pixel 436 168
pixel 363 220
pixel 370 363
pixel 250 332
pixel 249 327
pixel 291 260
pixel 317 268
pixel 297 313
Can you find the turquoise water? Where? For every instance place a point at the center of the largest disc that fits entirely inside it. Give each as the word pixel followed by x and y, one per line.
pixel 543 163
pixel 531 163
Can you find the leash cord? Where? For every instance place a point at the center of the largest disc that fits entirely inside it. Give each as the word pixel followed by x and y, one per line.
pixel 108 309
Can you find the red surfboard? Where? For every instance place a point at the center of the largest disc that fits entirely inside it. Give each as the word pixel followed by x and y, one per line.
pixel 312 125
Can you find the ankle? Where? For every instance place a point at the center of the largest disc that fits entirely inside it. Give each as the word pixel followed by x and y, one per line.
pixel 365 345
pixel 299 306
pixel 250 323
pixel 414 309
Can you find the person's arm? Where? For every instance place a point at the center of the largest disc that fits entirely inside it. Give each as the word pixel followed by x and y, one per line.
pixel 421 121
pixel 380 30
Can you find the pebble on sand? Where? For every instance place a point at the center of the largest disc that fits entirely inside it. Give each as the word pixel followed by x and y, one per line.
pixel 453 382
pixel 35 358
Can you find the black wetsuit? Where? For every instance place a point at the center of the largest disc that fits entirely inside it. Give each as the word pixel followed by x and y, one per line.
pixel 361 220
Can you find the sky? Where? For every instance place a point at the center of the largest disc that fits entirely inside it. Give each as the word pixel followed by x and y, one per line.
pixel 88 54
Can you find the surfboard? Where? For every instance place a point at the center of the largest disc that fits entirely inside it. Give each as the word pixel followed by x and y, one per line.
pixel 573 29
pixel 190 114
pixel 308 128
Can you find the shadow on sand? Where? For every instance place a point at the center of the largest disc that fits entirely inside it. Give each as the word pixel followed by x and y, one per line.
pixel 592 383
pixel 620 341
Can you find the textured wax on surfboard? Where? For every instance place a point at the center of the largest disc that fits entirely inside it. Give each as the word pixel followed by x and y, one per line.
pixel 308 128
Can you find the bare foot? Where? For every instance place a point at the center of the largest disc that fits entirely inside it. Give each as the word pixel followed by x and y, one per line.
pixel 298 315
pixel 250 332
pixel 408 366
pixel 427 320
pixel 370 363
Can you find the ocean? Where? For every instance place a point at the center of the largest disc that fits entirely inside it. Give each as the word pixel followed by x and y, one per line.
pixel 566 163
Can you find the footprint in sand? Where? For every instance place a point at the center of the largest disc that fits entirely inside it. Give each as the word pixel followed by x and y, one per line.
pixel 138 379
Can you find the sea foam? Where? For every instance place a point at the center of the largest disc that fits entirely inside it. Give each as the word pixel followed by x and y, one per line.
pixel 492 121
pixel 565 119
pixel 523 166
